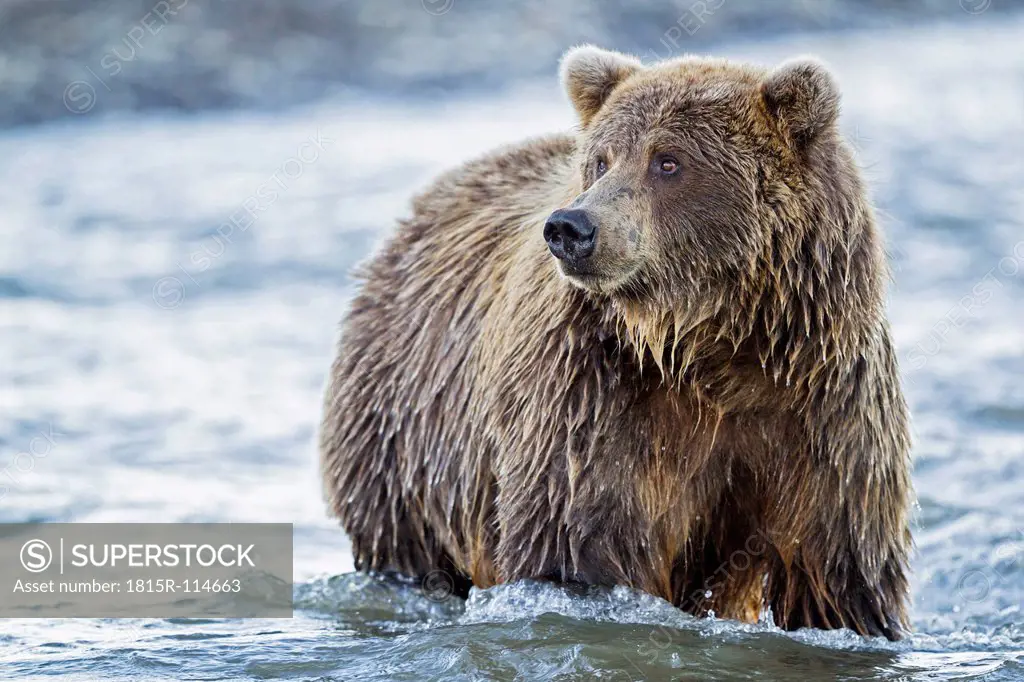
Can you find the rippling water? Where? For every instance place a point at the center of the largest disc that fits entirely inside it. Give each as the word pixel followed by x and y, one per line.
pixel 173 373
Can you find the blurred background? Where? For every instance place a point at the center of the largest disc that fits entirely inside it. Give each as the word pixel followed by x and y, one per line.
pixel 185 186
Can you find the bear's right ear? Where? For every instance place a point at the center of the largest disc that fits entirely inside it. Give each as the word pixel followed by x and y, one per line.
pixel 589 74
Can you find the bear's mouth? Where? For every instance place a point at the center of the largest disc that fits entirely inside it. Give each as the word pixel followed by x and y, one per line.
pixel 590 279
pixel 570 271
pixel 578 272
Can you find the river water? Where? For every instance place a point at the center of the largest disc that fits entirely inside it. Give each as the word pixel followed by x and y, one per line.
pixel 175 374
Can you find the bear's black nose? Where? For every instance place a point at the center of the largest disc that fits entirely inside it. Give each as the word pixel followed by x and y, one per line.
pixel 570 234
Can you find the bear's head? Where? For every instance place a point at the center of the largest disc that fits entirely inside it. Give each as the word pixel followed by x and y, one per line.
pixel 703 181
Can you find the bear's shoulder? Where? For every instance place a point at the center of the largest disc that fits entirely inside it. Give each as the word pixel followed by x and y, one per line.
pixel 501 175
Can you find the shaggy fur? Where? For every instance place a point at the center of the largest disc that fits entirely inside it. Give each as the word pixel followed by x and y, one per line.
pixel 711 413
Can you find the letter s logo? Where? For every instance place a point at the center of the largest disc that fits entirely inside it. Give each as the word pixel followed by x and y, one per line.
pixel 36 556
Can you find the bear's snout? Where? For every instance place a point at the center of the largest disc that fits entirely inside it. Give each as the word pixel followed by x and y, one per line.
pixel 571 235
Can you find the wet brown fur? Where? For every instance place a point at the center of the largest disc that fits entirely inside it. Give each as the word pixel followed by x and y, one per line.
pixel 717 420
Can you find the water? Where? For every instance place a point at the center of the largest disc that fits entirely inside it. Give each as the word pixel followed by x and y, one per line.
pixel 160 371
pixel 121 55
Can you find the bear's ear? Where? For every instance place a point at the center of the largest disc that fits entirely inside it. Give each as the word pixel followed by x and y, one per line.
pixel 804 96
pixel 589 74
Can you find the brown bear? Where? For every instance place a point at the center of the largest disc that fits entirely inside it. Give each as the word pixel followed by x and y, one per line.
pixel 653 353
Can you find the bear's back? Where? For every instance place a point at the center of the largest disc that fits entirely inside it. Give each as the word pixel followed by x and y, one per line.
pixel 402 384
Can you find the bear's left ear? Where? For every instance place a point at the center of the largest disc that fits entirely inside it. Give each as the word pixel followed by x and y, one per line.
pixel 589 74
pixel 804 96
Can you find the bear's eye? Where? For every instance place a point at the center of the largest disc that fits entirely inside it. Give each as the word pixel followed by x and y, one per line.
pixel 601 167
pixel 667 165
